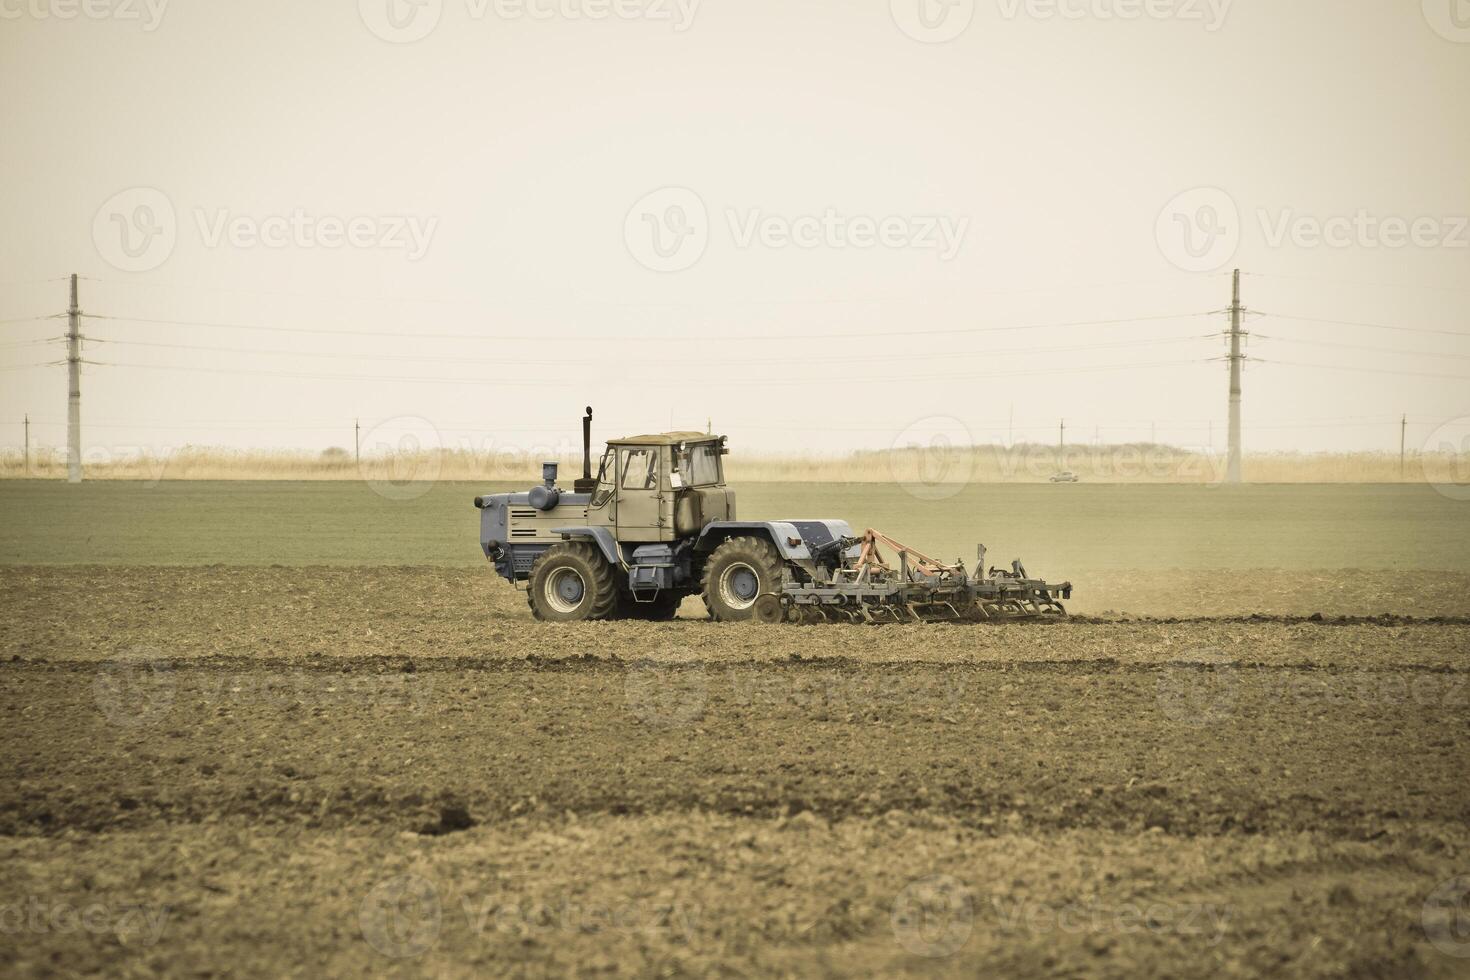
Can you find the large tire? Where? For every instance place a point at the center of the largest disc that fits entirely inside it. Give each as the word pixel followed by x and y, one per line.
pixel 661 609
pixel 572 582
pixel 737 573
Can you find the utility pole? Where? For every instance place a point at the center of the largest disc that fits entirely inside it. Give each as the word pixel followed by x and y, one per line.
pixel 1062 435
pixel 1403 431
pixel 357 441
pixel 28 444
pixel 74 388
pixel 1232 466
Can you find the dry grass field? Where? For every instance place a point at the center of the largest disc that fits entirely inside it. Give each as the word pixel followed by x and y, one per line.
pixel 225 757
pixel 942 465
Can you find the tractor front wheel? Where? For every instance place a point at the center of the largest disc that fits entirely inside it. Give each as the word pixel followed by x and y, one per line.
pixel 570 582
pixel 736 574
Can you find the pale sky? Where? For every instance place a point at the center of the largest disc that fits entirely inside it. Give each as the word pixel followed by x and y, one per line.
pixel 819 225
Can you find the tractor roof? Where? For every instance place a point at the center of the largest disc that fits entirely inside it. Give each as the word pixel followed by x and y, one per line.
pixel 663 439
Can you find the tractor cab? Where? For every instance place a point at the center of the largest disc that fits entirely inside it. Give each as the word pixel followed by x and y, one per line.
pixel 661 487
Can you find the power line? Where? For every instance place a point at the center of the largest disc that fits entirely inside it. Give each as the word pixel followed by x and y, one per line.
pixel 672 381
pixel 1358 282
pixel 1376 326
pixel 1364 370
pixel 785 336
pixel 1365 347
pixel 560 361
pixel 29 319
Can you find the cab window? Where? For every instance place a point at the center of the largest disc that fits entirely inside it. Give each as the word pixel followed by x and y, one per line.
pixel 699 464
pixel 605 481
pixel 640 469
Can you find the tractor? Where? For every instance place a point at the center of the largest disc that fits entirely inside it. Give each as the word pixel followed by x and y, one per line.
pixel 657 524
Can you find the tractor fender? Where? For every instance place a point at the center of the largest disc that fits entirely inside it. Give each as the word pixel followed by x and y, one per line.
pixel 779 533
pixel 601 535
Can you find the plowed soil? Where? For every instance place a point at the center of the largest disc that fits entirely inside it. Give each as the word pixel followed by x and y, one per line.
pixel 395 770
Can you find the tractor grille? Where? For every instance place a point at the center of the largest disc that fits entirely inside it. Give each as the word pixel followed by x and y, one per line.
pixel 523 558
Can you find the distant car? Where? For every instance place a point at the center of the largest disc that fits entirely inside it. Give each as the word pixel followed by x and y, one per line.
pixel 1066 476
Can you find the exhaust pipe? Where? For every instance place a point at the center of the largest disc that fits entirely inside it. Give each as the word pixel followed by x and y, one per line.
pixel 586 484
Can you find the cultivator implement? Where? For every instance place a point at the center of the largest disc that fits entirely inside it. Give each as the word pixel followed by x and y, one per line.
pixel 851 581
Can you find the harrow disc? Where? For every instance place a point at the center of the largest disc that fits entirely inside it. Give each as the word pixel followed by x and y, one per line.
pixel 768 609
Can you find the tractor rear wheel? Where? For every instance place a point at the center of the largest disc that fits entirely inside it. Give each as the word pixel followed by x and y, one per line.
pixel 571 581
pixel 736 574
pixel 663 607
